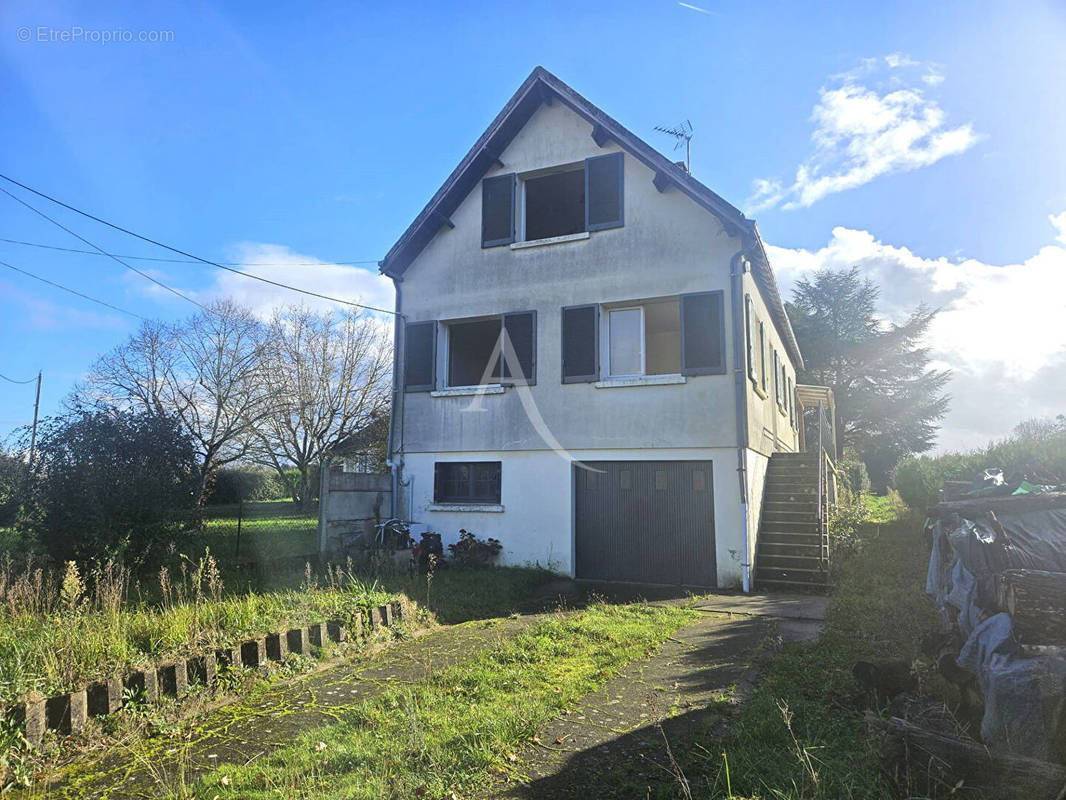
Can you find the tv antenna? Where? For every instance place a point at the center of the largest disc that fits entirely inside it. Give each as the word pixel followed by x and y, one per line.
pixel 683 134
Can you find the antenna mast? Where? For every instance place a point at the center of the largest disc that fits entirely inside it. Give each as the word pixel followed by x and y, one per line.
pixel 683 134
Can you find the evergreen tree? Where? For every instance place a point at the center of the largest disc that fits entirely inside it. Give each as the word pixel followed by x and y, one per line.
pixel 889 402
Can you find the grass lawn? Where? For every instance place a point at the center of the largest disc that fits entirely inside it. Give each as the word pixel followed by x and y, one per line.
pixel 270 529
pixel 453 730
pixel 883 508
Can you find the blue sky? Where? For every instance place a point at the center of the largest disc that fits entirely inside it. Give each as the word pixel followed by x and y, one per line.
pixel 927 139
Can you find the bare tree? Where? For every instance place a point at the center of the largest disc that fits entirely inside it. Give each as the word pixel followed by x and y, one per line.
pixel 329 376
pixel 206 371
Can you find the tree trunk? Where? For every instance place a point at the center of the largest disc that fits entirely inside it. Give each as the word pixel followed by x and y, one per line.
pixel 936 765
pixel 306 492
pixel 1036 601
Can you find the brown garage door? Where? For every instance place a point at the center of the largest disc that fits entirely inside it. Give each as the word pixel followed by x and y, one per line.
pixel 645 522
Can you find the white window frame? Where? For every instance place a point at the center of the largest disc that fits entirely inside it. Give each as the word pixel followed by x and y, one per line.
pixel 643 347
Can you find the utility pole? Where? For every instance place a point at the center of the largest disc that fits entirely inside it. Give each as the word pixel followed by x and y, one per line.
pixel 36 409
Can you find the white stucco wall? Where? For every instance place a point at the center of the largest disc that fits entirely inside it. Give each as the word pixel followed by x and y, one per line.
pixel 769 428
pixel 537 523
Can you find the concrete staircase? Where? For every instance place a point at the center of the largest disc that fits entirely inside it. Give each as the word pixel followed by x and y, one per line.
pixel 792 552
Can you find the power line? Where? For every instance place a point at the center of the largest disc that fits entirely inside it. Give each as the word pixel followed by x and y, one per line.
pixel 101 250
pixel 68 289
pixel 12 380
pixel 197 261
pixel 149 240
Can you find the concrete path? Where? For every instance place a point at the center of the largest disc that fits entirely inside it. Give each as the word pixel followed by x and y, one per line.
pixel 618 742
pixel 270 717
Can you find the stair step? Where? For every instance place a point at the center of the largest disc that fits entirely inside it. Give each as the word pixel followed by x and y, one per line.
pixel 790 516
pixel 809 576
pixel 791 484
pixel 791 539
pixel 782 472
pixel 779 494
pixel 808 506
pixel 789 548
pixel 774 561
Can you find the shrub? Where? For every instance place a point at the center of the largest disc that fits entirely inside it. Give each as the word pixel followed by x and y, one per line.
pixel 234 484
pixel 918 480
pixel 13 487
pixel 108 483
pixel 853 472
pixel 470 551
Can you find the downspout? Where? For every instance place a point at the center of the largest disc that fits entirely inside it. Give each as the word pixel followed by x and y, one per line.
pixel 737 268
pixel 396 427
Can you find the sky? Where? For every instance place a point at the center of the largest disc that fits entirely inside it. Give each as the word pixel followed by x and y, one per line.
pixel 919 141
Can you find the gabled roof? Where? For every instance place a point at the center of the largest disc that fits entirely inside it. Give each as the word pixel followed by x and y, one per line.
pixel 543 87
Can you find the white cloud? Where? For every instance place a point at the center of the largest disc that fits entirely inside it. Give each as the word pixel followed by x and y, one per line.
pixel 351 283
pixel 998 328
pixel 1059 223
pixel 897 60
pixel 863 132
pixel 38 313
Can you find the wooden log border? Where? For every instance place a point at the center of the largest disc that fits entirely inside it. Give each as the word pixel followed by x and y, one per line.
pixel 67 713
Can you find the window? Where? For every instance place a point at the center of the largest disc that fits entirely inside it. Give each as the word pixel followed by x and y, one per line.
pixel 762 357
pixel 667 336
pixel 644 339
pixel 558 202
pixel 476 350
pixel 555 204
pixel 475 482
pixel 791 403
pixel 777 378
pixel 749 319
pixel 782 399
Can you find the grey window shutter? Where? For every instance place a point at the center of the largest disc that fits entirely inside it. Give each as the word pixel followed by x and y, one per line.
pixel 604 192
pixel 521 330
pixel 703 333
pixel 497 210
pixel 581 344
pixel 420 356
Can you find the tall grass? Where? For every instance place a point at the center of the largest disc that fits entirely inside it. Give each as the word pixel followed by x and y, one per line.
pixel 61 628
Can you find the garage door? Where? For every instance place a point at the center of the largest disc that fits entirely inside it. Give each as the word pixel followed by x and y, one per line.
pixel 645 522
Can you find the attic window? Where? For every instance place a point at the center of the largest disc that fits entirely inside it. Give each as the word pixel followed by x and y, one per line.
pixel 560 201
pixel 555 204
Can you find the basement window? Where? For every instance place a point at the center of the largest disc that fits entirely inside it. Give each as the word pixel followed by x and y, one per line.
pixel 473 482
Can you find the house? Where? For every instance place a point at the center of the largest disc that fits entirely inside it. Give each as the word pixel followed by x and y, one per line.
pixel 593 361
